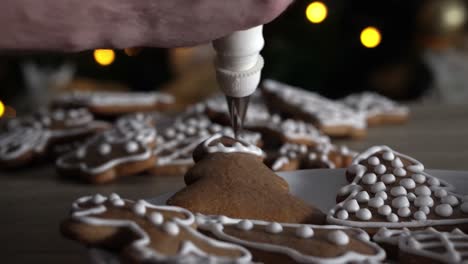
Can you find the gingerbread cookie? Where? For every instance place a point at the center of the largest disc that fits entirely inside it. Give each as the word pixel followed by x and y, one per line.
pixel 388 240
pixel 177 143
pixel 28 139
pixel 273 242
pixel 146 233
pixel 299 156
pixel 378 109
pixel 114 103
pixel 230 179
pixel 125 150
pixel 389 189
pixel 332 118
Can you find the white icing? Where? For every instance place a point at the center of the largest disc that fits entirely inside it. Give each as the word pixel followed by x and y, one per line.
pixel 404 212
pixel 117 202
pixel 425 209
pixel 464 207
pixel 105 149
pixel 420 216
pixel 392 218
pixel 418 178
pixel 444 210
pixel 434 182
pixel 400 172
pixel 364 214
pixel 380 169
pixel 400 201
pixel 416 168
pixel 245 225
pixel 156 218
pixel 440 193
pixel 342 214
pixel 171 228
pixel 304 231
pixel 397 163
pixel 422 190
pixel 351 206
pixel 424 201
pixel 382 195
pixel 362 197
pixel 242 147
pixel 131 147
pixel 411 196
pixel 378 187
pixel 398 191
pixel 385 210
pixel 376 202
pixel 374 161
pixel 113 99
pixel 388 178
pixel 388 156
pixel 450 199
pixel 408 183
pixel 369 178
pixel 99 199
pixel 274 228
pixel 139 208
pixel 338 237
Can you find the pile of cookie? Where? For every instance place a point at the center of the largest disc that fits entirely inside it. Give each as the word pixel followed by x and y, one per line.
pixel 234 209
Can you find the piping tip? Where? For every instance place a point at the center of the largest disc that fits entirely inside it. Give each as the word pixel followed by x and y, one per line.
pixel 237 111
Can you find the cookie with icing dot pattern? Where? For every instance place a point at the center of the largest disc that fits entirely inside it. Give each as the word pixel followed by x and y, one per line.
pixel 229 178
pixel 145 233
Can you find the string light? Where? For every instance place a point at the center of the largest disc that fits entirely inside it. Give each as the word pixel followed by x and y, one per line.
pixel 316 12
pixel 2 108
pixel 104 57
pixel 370 37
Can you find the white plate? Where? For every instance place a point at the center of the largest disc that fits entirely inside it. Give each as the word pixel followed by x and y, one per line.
pixel 317 187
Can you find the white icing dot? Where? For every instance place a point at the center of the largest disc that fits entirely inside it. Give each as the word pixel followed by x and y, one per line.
pixel 139 208
pixel 223 219
pixel 444 210
pixel 398 191
pixel 113 196
pixel 338 237
pixel 439 193
pixel 374 161
pixel 404 212
pixel 408 183
pixel 425 209
pixel 382 195
pixel 354 168
pixel 400 202
pixel 378 187
pixel 422 190
pixel 400 172
pixel 131 147
pixel 99 199
pixel 342 214
pixel 380 169
pixel 117 202
pixel 392 218
pixel 351 206
pixel 81 153
pixel 464 207
pixel 417 168
pixel 424 201
pixel 104 149
pixel 388 178
pixel 385 210
pixel 171 228
pixel 434 182
pixel 411 197
pixel 304 231
pixel 364 214
pixel 376 202
pixel 156 218
pixel 413 243
pixel 362 197
pixel 396 163
pixel 388 155
pixel 449 199
pixel 420 216
pixel 369 178
pixel 418 178
pixel 274 228
pixel 245 225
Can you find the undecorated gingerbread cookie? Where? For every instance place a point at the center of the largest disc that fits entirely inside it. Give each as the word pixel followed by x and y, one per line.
pixel 229 178
pixel 146 233
pixel 126 149
pixel 389 189
pixel 273 242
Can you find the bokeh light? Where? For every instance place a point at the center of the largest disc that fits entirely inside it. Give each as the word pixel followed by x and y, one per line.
pixel 2 108
pixel 104 57
pixel 370 37
pixel 316 12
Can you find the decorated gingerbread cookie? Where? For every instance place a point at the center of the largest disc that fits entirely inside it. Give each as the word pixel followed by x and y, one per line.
pixel 378 109
pixel 114 103
pixel 146 233
pixel 332 118
pixel 126 149
pixel 229 178
pixel 299 156
pixel 29 139
pixel 389 189
pixel 177 143
pixel 273 242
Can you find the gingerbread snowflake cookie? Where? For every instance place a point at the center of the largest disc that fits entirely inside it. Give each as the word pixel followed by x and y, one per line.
pixel 146 233
pixel 332 118
pixel 273 242
pixel 300 156
pixel 389 189
pixel 378 109
pixel 229 178
pixel 114 103
pixel 28 139
pixel 124 150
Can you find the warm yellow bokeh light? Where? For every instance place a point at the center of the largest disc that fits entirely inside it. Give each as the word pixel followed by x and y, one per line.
pixel 316 12
pixel 370 37
pixel 2 109
pixel 104 57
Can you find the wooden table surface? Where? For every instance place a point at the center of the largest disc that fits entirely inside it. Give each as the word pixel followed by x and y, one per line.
pixel 34 200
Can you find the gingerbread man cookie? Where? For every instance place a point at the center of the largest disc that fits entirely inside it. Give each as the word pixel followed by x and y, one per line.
pixel 125 150
pixel 146 233
pixel 114 103
pixel 332 118
pixel 229 178
pixel 29 139
pixel 389 189
pixel 378 109
pixel 273 242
